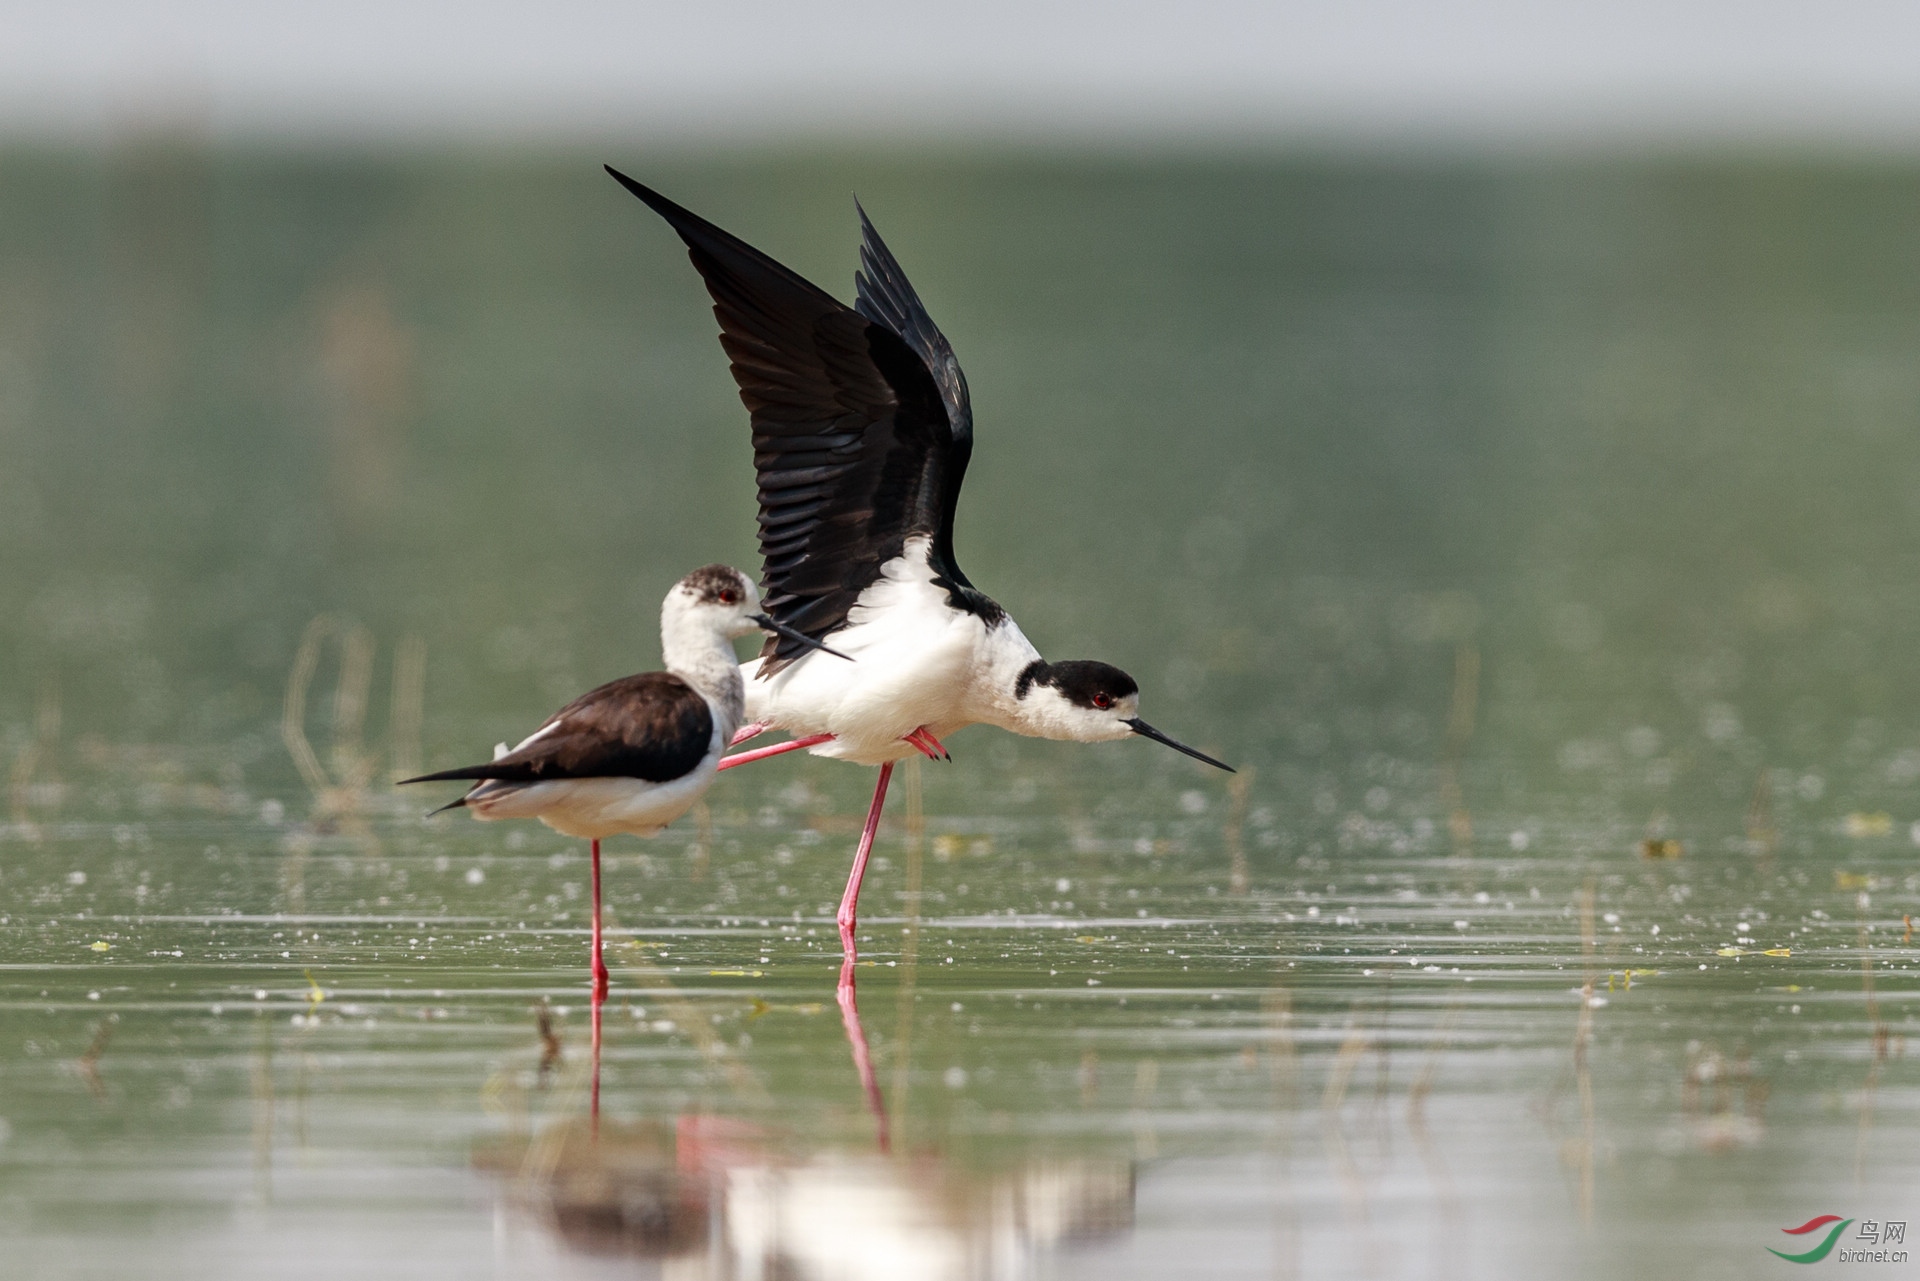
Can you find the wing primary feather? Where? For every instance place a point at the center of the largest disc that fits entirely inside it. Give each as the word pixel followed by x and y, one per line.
pixel 700 233
pixel 886 296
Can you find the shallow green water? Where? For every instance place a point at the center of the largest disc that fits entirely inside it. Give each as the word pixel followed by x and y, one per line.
pixel 1503 524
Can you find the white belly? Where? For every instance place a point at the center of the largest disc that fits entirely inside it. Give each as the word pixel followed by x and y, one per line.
pixel 594 808
pixel 915 659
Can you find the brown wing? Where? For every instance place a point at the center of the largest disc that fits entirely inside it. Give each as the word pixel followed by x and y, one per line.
pixel 653 727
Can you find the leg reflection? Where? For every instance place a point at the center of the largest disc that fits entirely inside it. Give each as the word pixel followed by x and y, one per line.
pixel 862 1059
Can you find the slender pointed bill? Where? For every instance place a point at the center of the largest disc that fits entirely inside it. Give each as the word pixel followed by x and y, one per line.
pixel 765 622
pixel 1145 730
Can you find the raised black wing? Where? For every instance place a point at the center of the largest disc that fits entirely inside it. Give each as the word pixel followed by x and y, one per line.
pixel 885 296
pixel 854 436
pixel 653 726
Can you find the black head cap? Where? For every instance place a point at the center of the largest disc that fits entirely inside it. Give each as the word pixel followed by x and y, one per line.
pixel 716 585
pixel 1081 681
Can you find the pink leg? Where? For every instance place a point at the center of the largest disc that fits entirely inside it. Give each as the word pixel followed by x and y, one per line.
pixel 850 901
pixel 599 995
pixel 745 732
pixel 761 753
pixel 862 1058
pixel 599 963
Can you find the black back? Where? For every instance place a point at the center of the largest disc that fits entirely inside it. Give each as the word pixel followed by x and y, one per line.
pixel 653 726
pixel 861 425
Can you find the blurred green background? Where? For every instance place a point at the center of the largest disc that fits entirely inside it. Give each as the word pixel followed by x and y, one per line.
pixel 1550 490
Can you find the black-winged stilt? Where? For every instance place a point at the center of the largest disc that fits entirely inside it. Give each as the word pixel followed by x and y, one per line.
pixel 636 753
pixel 861 435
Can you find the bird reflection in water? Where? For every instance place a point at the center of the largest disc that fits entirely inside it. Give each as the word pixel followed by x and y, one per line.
pixel 720 1197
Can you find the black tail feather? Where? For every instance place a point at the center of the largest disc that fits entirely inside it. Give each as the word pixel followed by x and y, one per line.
pixel 458 802
pixel 516 773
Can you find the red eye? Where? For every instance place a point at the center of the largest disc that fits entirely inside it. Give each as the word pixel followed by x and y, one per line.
pixel 1102 701
pixel 728 596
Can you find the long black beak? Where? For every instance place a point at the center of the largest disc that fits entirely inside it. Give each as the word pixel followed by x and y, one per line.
pixel 1145 730
pixel 767 623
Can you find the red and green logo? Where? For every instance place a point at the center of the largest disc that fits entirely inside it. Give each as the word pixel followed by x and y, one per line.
pixel 1825 1247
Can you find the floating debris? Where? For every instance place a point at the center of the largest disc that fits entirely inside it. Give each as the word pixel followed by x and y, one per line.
pixel 549 1039
pixel 1661 847
pixel 88 1064
pixel 1754 951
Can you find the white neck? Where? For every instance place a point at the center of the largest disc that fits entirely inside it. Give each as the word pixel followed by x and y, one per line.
pixel 1007 653
pixel 704 659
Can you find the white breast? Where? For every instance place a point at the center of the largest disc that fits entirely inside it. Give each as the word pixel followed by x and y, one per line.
pixel 915 661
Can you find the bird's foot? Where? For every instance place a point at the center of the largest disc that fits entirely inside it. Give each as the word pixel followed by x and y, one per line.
pixel 751 730
pixel 927 745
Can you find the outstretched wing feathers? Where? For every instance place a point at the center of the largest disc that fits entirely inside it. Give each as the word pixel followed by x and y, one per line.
pixel 860 423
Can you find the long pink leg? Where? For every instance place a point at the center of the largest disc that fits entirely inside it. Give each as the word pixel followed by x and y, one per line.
pixel 599 964
pixel 761 753
pixel 599 995
pixel 862 1058
pixel 599 989
pixel 850 901
pixel 745 732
